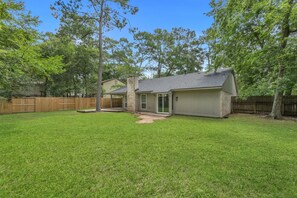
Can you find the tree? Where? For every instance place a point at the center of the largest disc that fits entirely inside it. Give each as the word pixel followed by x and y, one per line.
pixel 21 61
pixel 95 17
pixel 80 63
pixel 169 53
pixel 257 39
pixel 156 46
pixel 86 61
pixel 124 59
pixel 187 54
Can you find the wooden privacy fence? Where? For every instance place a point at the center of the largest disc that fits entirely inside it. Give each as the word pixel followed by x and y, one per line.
pixel 263 105
pixel 39 104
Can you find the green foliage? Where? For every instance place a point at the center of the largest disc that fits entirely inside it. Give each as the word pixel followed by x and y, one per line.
pixel 86 20
pixel 187 54
pixel 7 7
pixel 257 39
pixel 124 59
pixel 21 61
pixel 170 53
pixel 79 66
pixel 85 16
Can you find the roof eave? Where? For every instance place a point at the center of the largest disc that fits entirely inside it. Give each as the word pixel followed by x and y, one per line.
pixel 139 92
pixel 183 89
pixel 118 93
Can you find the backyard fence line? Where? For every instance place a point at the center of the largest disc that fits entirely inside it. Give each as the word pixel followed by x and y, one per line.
pixel 47 104
pixel 263 105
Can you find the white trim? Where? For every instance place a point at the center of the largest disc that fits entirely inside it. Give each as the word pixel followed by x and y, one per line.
pixel 142 102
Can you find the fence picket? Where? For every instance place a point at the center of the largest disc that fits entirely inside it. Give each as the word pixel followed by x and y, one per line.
pixel 263 105
pixel 47 104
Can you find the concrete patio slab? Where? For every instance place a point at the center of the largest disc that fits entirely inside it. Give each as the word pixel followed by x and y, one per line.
pixel 146 118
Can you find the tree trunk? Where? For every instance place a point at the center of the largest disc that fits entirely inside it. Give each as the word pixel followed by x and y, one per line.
pixel 159 70
pixel 277 102
pixel 276 112
pixel 99 86
pixel 285 33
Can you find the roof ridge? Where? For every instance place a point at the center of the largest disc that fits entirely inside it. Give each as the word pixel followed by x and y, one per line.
pixel 175 75
pixel 184 81
pixel 198 72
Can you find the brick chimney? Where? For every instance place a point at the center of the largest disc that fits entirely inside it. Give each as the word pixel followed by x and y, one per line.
pixel 132 100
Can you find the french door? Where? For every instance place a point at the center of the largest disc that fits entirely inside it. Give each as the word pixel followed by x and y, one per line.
pixel 163 103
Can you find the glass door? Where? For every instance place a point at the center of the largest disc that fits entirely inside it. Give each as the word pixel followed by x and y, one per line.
pixel 163 103
pixel 160 103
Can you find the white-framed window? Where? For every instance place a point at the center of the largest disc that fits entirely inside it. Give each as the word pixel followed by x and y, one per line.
pixel 143 101
pixel 125 101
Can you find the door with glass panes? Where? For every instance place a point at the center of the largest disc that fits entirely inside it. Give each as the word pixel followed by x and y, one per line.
pixel 163 103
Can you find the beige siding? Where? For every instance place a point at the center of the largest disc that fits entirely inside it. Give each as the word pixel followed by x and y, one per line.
pixel 226 103
pixel 110 86
pixel 229 90
pixel 123 100
pixel 200 103
pixel 137 102
pixel 229 85
pixel 151 103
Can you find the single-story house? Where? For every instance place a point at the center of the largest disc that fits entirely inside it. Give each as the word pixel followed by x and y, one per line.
pixel 199 94
pixel 110 85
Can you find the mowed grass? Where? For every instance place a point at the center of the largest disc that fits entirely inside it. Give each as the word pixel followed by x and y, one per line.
pixel 67 154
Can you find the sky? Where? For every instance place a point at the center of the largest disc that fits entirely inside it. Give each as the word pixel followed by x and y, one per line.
pixel 152 14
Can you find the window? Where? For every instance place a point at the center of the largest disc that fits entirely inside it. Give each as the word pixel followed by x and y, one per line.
pixel 143 101
pixel 125 101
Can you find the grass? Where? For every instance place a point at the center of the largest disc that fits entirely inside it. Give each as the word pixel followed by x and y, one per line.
pixel 67 154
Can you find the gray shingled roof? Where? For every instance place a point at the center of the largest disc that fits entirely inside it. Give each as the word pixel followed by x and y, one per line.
pixel 185 81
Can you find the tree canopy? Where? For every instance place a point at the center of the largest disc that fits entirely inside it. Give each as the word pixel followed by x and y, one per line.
pixel 170 52
pixel 21 60
pixel 258 39
pixel 91 19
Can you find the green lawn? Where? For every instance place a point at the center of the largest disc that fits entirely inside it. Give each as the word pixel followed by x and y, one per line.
pixel 67 154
